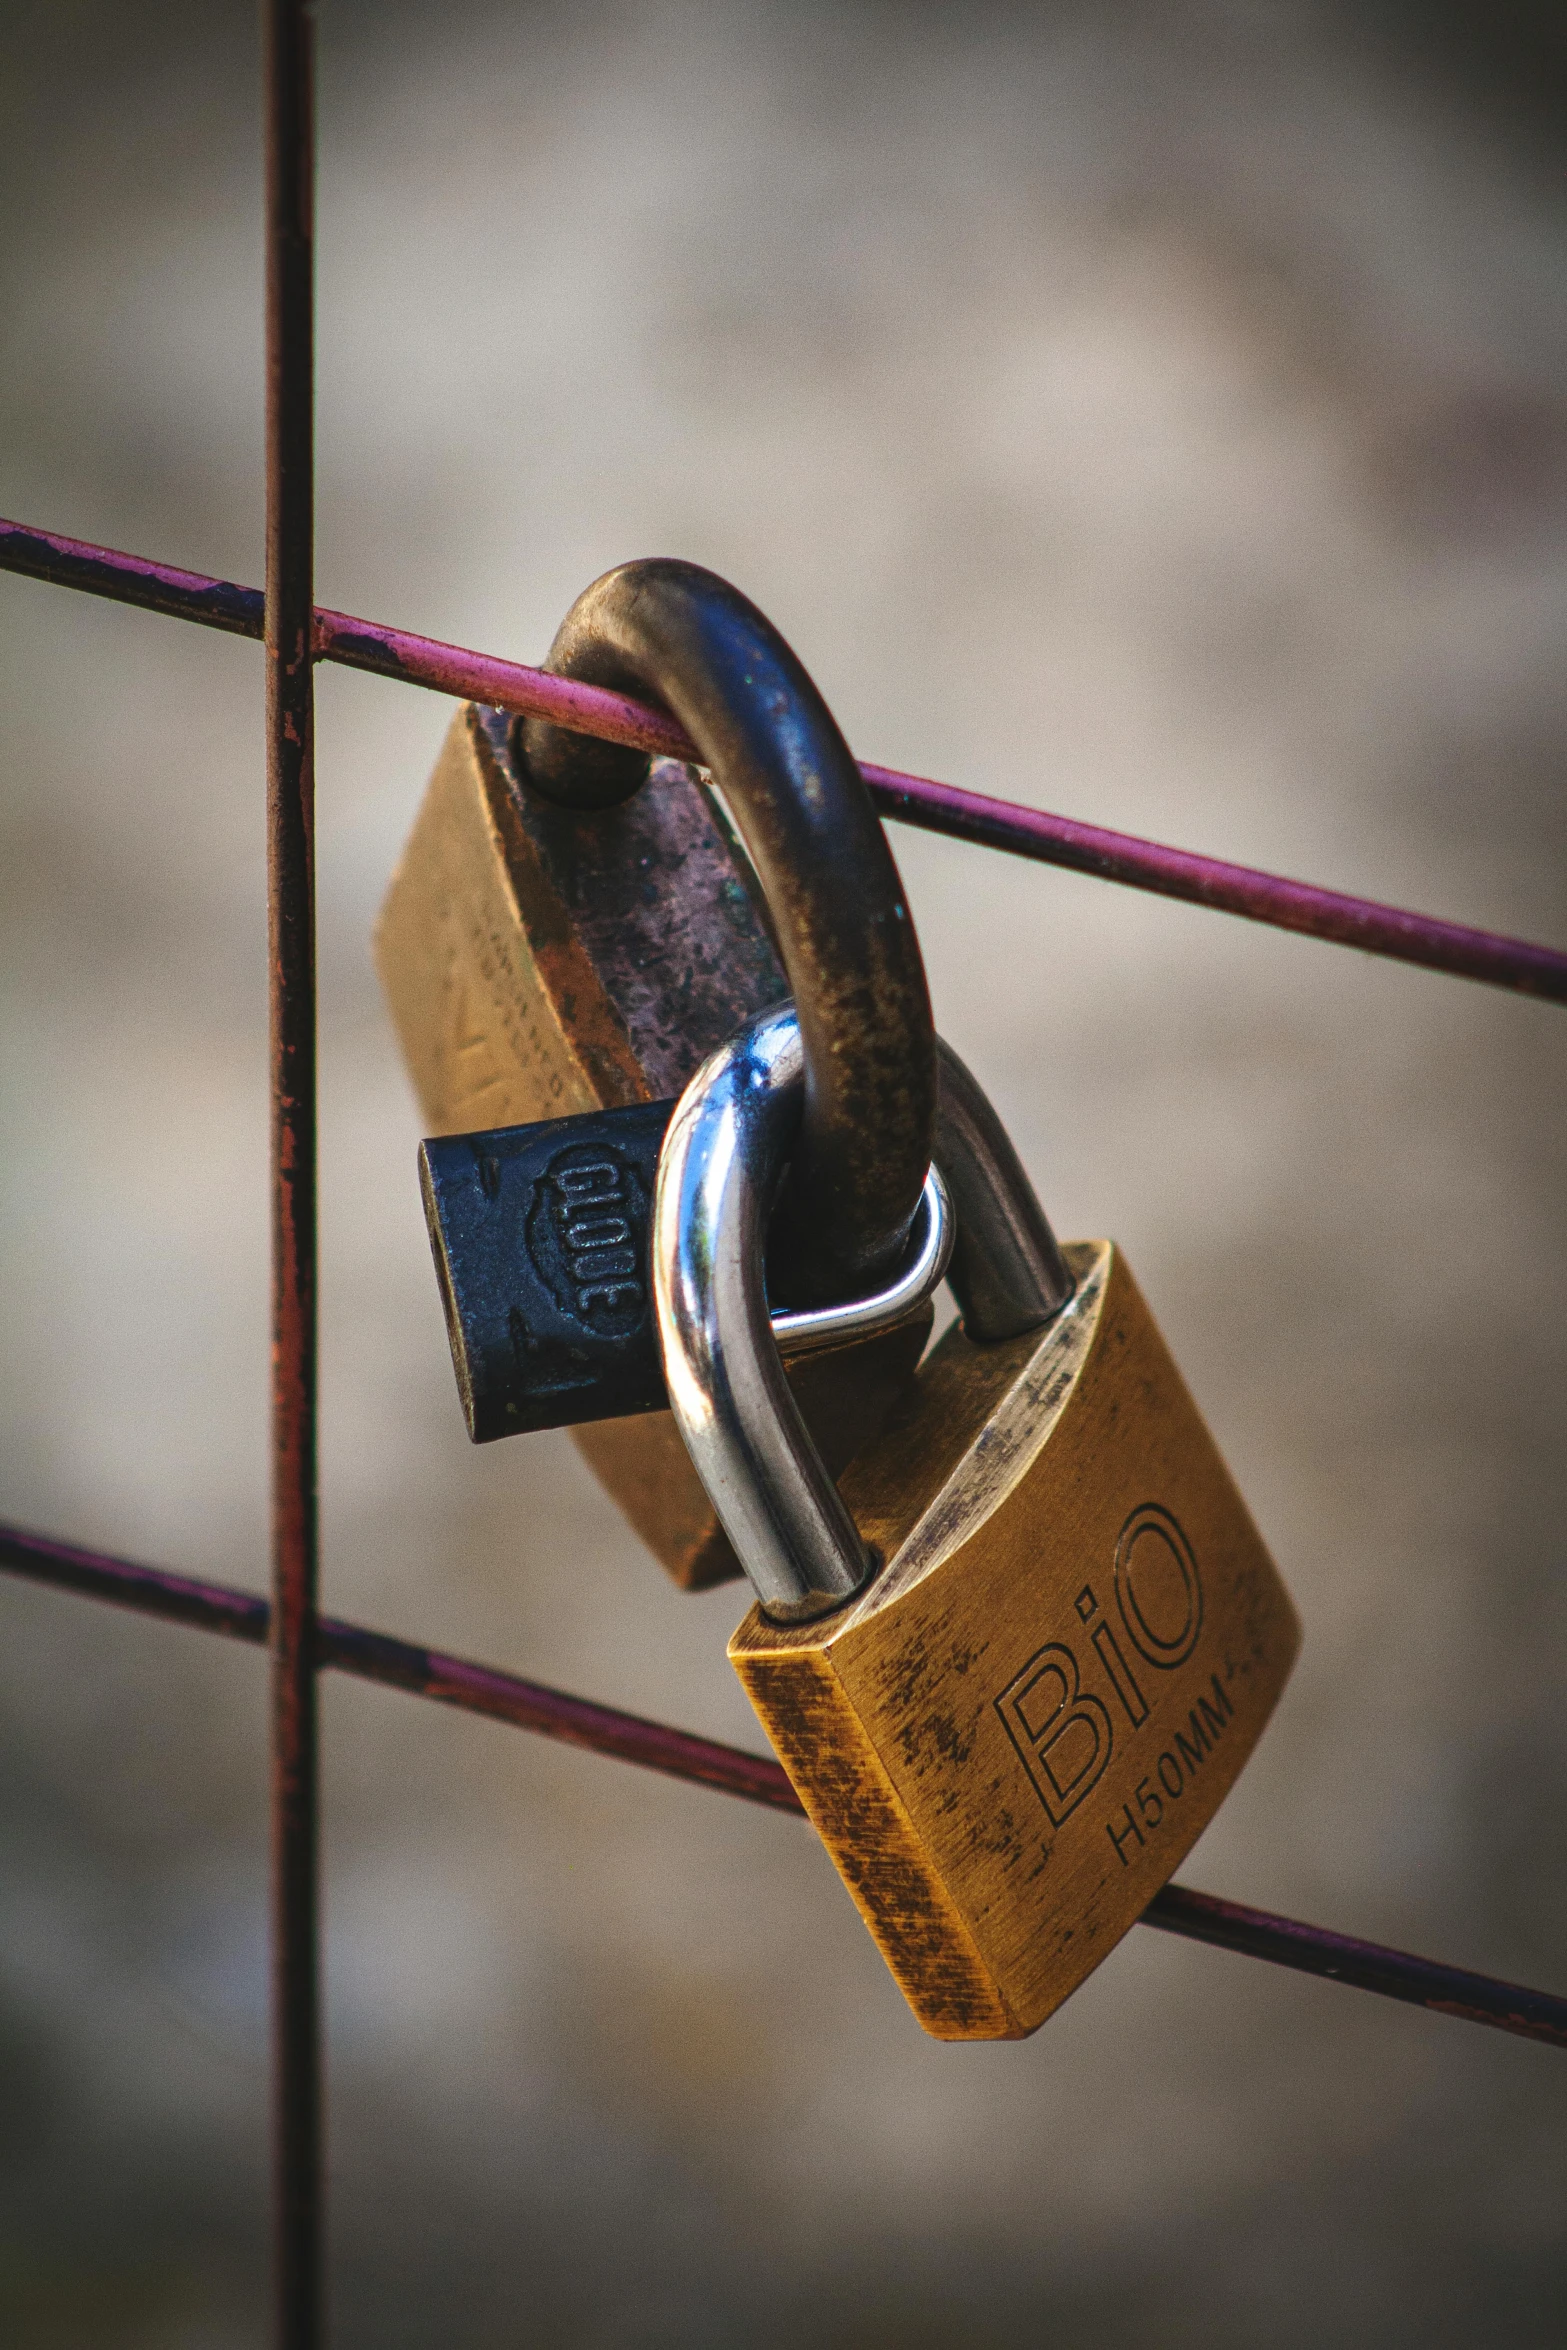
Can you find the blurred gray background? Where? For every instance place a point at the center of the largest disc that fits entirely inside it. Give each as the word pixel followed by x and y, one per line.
pixel 1157 414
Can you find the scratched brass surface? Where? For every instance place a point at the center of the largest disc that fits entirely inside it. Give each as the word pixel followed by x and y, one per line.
pixel 537 963
pixel 1012 1739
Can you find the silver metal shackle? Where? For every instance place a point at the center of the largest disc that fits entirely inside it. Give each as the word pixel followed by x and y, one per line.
pixel 1007 1272
pixel 805 1330
pixel 718 1173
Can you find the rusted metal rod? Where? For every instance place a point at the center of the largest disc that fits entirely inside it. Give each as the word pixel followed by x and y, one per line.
pixel 1313 1950
pixel 297 2166
pixel 1329 914
pixel 604 1729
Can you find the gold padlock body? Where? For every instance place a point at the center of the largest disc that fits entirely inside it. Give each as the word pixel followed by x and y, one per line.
pixel 538 963
pixel 1012 1738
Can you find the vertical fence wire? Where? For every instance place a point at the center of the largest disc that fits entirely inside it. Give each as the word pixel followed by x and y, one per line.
pixel 288 74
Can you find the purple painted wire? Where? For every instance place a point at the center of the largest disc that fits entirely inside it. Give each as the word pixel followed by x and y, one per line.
pixel 910 799
pixel 604 1729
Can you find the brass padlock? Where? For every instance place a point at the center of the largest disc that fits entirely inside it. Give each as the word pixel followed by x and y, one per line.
pixel 1015 1663
pixel 572 928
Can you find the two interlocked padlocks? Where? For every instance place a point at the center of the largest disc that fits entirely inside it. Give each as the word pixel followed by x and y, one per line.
pixel 1015 1632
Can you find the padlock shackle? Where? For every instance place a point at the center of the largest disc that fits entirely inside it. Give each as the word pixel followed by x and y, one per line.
pixel 684 636
pixel 1007 1271
pixel 723 1153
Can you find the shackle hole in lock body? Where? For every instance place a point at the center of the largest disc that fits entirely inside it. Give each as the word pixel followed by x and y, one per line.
pixel 720 1164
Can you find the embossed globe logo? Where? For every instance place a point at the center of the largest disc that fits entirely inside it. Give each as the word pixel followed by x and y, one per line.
pixel 587 1235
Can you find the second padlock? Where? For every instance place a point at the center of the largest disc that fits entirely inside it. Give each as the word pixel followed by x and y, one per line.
pixel 573 927
pixel 1015 1658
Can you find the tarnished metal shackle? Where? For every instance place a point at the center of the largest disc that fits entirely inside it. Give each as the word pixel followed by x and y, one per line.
pixel 720 1164
pixel 684 636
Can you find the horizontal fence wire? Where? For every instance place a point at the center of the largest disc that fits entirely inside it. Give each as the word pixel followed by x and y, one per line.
pixel 708 1762
pixel 1227 888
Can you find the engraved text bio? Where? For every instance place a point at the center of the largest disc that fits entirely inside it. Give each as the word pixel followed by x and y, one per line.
pixel 1061 1710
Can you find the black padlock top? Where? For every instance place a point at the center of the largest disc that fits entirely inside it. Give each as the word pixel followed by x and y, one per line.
pixel 542 1248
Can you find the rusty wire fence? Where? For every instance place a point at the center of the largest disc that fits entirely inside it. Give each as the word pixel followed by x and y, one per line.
pixel 301 1642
